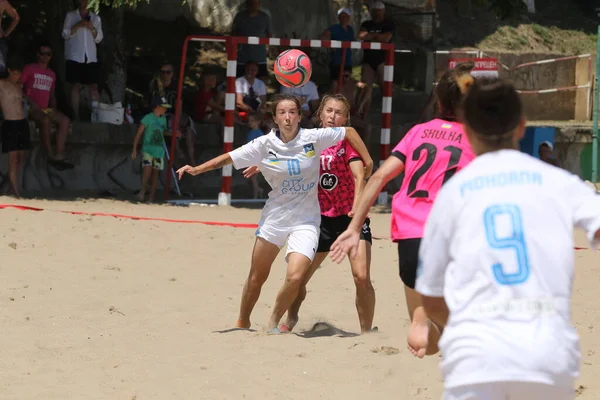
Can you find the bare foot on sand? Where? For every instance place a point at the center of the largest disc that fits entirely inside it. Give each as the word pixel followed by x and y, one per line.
pixel 290 323
pixel 418 337
pixel 242 324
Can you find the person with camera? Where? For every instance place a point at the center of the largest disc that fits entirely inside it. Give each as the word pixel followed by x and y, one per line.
pixel 82 32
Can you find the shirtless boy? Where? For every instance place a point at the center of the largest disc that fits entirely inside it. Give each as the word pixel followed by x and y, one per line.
pixel 15 128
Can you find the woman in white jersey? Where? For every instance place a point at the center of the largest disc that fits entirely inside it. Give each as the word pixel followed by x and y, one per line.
pixel 428 155
pixel 341 181
pixel 497 260
pixel 289 159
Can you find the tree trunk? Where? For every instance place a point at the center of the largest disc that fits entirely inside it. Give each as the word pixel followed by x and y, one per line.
pixel 56 11
pixel 112 56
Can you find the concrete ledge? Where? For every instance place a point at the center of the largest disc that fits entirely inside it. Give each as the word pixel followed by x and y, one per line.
pixel 102 156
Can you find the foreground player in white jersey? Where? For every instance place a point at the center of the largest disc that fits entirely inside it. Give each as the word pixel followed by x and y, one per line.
pixel 496 262
pixel 289 160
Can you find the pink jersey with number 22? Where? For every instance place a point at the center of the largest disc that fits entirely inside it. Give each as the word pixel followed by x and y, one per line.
pixel 432 152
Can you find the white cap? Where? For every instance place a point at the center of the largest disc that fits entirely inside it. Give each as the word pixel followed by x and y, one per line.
pixel 377 5
pixel 547 143
pixel 344 11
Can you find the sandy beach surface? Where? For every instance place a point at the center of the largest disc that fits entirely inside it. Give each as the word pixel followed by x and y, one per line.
pixel 110 308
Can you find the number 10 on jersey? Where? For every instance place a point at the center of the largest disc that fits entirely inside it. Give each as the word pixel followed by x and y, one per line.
pixel 293 167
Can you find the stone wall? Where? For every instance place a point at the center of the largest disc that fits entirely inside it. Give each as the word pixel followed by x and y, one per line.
pixel 559 106
pixel 102 157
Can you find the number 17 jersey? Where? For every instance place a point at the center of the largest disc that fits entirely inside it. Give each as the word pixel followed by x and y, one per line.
pixel 432 153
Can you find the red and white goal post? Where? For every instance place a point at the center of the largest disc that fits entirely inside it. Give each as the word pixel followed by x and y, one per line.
pixel 231 43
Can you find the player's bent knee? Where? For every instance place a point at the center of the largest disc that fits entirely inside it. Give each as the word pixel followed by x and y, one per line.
pixel 295 279
pixel 257 279
pixel 361 279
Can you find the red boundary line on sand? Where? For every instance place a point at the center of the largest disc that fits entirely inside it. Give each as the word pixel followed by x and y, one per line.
pixel 180 221
pixel 99 214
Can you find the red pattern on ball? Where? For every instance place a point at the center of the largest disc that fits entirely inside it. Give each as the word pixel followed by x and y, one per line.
pixel 293 68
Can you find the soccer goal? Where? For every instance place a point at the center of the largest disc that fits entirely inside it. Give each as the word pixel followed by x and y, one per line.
pixel 231 45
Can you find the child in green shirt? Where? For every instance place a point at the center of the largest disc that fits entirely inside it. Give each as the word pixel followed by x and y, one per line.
pixel 152 127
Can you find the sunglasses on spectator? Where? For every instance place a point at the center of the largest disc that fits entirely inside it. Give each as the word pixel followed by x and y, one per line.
pixel 45 53
pixel 347 75
pixel 166 71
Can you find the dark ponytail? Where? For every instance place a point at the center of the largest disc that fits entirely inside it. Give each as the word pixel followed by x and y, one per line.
pixel 451 89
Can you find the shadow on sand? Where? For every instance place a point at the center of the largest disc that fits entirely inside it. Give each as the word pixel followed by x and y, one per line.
pixel 324 329
pixel 319 329
pixel 235 330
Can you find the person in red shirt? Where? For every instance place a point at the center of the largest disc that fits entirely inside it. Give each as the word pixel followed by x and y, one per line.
pixel 207 104
pixel 38 82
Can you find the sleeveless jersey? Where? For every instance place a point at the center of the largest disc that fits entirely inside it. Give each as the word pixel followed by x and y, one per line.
pixel 336 183
pixel 432 153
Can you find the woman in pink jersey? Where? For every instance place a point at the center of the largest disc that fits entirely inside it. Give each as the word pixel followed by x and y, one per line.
pixel 341 180
pixel 428 155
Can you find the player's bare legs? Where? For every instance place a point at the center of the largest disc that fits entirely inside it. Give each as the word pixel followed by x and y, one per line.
pixel 298 265
pixel 423 335
pixel 15 163
pixel 292 314
pixel 263 256
pixel 365 294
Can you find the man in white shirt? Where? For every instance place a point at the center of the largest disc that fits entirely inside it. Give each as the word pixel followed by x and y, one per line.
pixel 82 32
pixel 496 263
pixel 250 92
pixel 309 98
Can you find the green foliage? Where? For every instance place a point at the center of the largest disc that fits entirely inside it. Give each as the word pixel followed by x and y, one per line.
pixel 542 32
pixel 95 4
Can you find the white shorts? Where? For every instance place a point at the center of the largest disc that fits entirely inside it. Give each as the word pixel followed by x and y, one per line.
pixel 508 391
pixel 301 239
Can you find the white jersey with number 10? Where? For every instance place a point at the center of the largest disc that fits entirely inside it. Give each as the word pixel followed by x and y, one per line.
pixel 292 171
pixel 498 246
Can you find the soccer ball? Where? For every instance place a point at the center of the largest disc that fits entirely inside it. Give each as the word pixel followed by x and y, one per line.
pixel 292 68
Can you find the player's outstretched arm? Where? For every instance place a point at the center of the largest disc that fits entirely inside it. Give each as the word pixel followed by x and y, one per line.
pixel 215 163
pixel 358 172
pixel 357 144
pixel 348 241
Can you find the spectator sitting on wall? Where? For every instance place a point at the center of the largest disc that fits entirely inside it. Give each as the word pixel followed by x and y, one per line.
pixel 252 22
pixel 545 151
pixel 165 85
pixel 343 32
pixel 250 92
pixel 8 9
pixel 82 32
pixel 309 98
pixel 377 29
pixel 39 83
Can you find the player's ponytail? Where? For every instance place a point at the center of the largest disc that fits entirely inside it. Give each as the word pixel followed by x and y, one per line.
pixel 464 82
pixel 451 89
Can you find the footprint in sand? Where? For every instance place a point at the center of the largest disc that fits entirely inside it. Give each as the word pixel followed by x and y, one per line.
pixel 387 350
